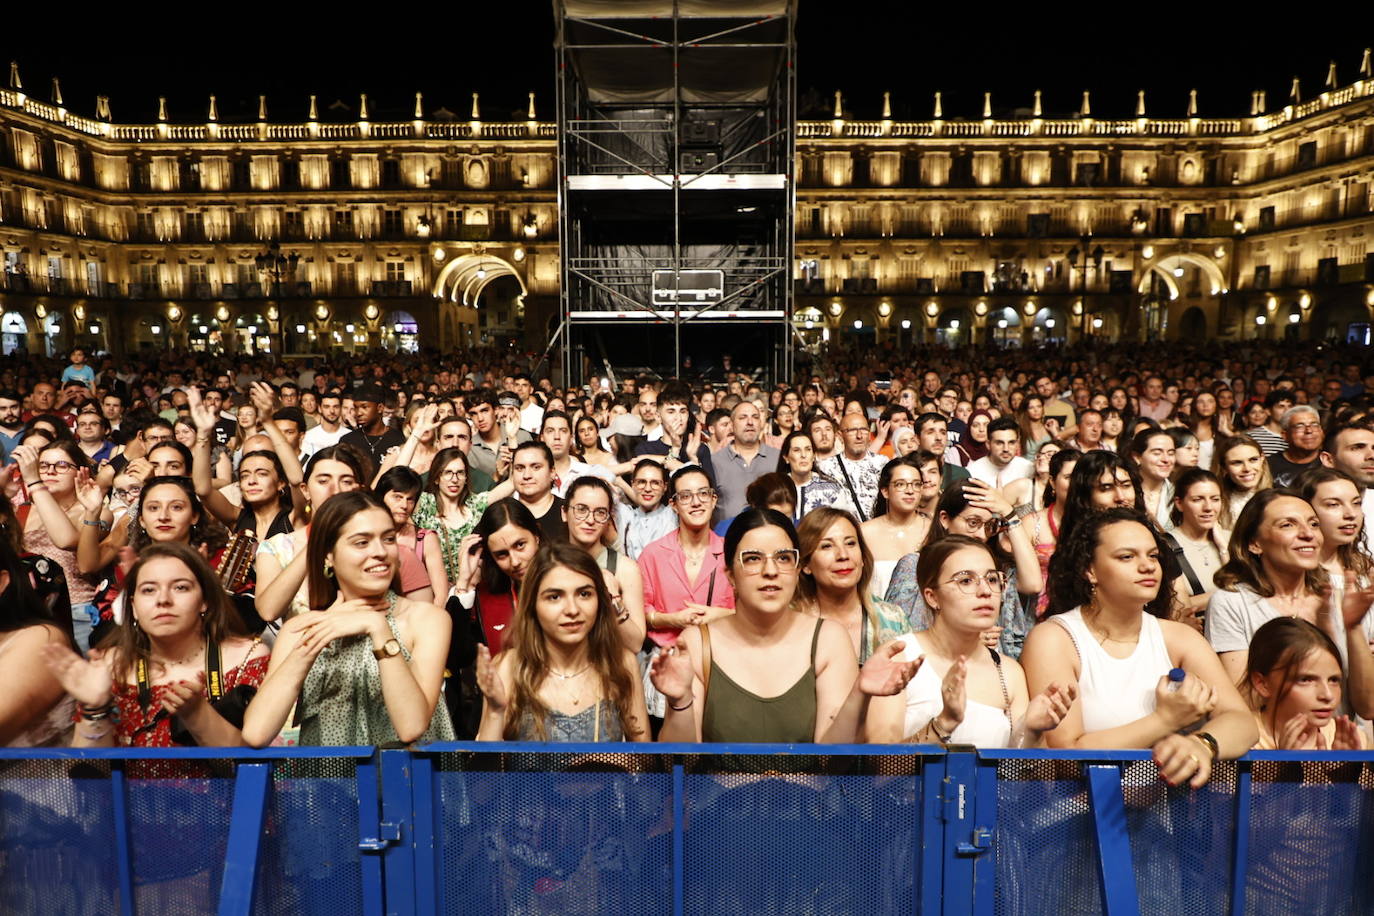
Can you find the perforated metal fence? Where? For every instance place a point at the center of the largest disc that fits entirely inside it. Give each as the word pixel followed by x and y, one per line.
pixel 679 829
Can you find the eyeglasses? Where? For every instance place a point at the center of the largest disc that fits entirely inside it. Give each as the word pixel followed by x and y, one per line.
pixel 57 467
pixel 651 484
pixel 1305 427
pixel 751 561
pixel 849 431
pixel 906 486
pixel 599 515
pixel 128 493
pixel 704 495
pixel 967 581
pixel 452 475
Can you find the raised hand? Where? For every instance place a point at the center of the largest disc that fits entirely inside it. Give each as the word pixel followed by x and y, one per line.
pixel 201 415
pixel 141 468
pixel 264 398
pixel 987 497
pixel 469 563
pixel 426 421
pixel 88 492
pixel 1049 708
pixel 86 680
pixel 671 674
pixel 489 680
pixel 26 458
pixel 883 675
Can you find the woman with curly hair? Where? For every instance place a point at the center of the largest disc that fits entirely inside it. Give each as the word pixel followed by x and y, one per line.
pixel 1111 594
pixel 565 674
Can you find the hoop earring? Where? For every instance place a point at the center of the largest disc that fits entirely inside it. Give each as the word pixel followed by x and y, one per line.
pixel 328 570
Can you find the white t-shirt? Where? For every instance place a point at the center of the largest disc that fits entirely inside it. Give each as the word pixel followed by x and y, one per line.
pixel 317 438
pixel 983 469
pixel 531 418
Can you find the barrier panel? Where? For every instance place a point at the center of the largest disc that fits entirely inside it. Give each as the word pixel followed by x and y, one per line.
pixel 679 829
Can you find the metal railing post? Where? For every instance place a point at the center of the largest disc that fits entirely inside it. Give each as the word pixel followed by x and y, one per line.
pixel 1115 865
pixel 245 839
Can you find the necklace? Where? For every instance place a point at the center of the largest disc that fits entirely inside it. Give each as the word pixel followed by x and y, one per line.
pixel 1106 637
pixel 171 663
pixel 574 695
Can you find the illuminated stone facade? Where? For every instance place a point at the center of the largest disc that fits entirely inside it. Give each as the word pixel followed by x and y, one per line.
pixel 271 237
pixel 1038 229
pixel 388 233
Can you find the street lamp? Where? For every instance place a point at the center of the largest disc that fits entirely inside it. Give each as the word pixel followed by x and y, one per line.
pixel 1078 260
pixel 276 267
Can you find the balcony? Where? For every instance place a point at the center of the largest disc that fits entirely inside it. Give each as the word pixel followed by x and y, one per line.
pixel 390 288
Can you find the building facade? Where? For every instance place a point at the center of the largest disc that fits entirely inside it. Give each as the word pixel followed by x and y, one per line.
pixel 1030 229
pixel 346 233
pixel 267 237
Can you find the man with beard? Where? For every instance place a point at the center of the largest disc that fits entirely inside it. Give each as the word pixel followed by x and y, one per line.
pixel 330 429
pixel 372 437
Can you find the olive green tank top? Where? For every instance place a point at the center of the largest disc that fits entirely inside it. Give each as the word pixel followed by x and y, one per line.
pixel 733 714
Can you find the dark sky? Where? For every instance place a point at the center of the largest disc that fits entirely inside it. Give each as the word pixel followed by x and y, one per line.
pixel 862 48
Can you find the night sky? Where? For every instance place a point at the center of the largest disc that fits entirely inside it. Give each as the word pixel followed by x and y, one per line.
pixel 860 48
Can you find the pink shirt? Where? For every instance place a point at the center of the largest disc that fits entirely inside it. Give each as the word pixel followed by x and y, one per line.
pixel 666 589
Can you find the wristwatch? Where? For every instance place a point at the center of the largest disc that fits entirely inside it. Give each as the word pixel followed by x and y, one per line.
pixel 389 649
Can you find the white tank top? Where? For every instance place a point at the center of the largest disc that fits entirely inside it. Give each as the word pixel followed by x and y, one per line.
pixel 983 725
pixel 1116 691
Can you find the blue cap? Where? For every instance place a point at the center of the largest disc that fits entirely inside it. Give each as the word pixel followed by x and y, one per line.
pixel 1176 674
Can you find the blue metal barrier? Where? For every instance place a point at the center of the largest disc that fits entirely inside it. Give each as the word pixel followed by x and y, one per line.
pixel 679 829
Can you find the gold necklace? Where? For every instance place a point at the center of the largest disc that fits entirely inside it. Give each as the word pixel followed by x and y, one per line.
pixel 1107 637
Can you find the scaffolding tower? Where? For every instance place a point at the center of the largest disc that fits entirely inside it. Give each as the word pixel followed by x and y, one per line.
pixel 676 193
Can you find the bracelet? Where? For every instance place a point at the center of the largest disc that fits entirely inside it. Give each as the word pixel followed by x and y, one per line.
pixel 96 713
pixel 36 483
pixel 1209 742
pixel 1012 523
pixel 92 524
pixel 682 708
pixel 935 729
pixel 1023 510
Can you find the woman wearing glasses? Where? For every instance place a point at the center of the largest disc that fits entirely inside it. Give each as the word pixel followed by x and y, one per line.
pixel 51 521
pixel 965 692
pixel 587 513
pixel 685 582
pixel 981 512
pixel 448 506
pixel 897 525
pixel 767 674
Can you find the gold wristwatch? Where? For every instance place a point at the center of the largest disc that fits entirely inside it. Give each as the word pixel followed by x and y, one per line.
pixel 389 649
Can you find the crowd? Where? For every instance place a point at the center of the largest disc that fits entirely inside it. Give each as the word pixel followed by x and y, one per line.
pixel 1124 547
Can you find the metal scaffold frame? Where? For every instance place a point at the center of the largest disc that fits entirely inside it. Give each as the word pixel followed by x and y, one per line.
pixel 633 80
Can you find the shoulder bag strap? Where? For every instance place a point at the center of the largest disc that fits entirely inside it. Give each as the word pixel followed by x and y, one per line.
pixel 849 484
pixel 1002 677
pixel 1193 582
pixel 705 629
